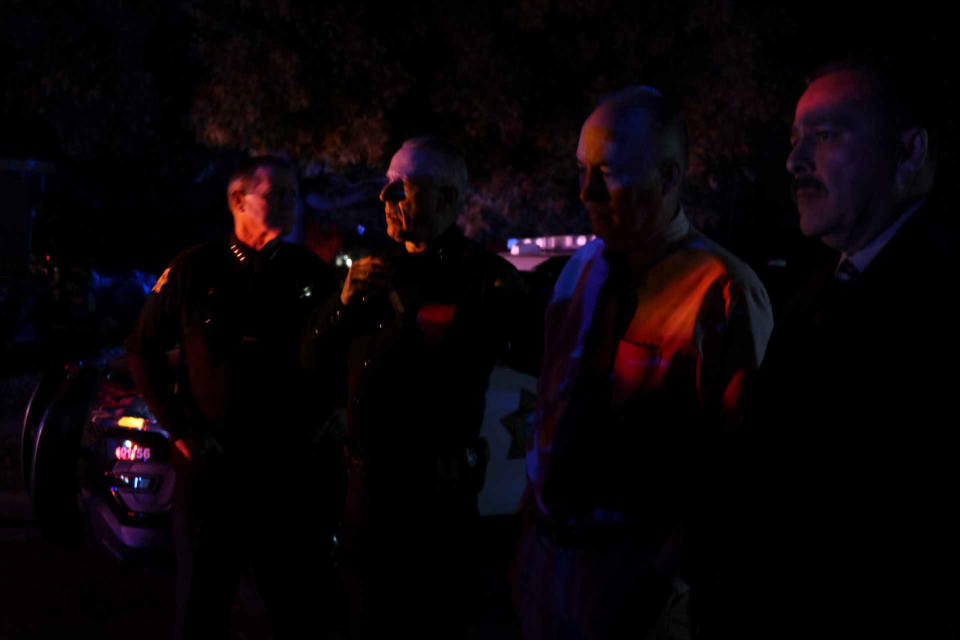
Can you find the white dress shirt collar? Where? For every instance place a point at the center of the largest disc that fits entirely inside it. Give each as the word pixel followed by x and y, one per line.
pixel 862 258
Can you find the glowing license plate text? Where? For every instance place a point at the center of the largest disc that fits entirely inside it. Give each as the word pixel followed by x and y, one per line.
pixel 132 451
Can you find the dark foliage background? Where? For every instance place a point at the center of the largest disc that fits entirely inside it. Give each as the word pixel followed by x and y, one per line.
pixel 139 105
pixel 120 118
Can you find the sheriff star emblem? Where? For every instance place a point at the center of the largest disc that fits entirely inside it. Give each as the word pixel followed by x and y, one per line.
pixel 516 424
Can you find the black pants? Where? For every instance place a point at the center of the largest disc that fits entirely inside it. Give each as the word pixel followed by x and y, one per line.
pixel 235 517
pixel 408 552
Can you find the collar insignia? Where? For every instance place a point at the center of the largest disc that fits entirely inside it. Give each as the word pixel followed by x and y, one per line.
pixel 162 280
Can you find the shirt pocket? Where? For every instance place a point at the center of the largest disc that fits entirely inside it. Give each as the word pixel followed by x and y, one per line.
pixel 637 368
pixel 651 367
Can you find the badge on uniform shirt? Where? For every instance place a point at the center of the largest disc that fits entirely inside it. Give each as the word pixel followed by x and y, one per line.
pixel 435 320
pixel 162 280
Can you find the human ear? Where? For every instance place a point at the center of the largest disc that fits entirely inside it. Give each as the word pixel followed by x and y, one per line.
pixel 448 197
pixel 235 200
pixel 669 176
pixel 913 151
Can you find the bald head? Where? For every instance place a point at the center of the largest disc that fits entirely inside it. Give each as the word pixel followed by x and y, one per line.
pixel 632 156
pixel 434 159
pixel 646 120
pixel 426 190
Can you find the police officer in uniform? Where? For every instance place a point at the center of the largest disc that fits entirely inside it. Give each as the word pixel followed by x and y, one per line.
pixel 245 498
pixel 418 333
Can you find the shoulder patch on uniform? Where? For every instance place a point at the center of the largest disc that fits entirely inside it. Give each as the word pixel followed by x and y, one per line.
pixel 162 280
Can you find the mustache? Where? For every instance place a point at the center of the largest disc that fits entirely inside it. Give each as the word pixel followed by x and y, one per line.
pixel 808 182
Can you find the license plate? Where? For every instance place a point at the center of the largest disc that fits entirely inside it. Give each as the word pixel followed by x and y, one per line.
pixel 128 450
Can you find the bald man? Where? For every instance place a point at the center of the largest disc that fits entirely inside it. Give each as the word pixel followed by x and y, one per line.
pixel 415 335
pixel 652 334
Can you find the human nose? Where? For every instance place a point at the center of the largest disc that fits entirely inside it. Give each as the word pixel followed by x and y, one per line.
pixel 800 159
pixel 592 186
pixel 393 192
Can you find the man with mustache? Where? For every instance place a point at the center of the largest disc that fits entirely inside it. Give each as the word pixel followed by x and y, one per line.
pixel 652 335
pixel 851 464
pixel 414 335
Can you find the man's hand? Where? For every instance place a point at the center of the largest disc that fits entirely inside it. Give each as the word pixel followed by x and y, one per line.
pixel 366 276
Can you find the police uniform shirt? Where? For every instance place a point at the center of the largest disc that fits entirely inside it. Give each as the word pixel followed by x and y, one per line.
pixel 238 315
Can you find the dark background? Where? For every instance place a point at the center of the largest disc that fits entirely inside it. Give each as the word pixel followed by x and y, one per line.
pixel 119 121
pixel 131 110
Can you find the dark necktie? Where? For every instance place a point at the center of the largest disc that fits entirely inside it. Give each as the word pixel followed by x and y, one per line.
pixel 846 271
pixel 835 296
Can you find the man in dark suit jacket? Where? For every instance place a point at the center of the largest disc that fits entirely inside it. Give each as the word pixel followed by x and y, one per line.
pixel 851 470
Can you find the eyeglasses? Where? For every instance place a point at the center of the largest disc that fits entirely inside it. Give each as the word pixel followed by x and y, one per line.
pixel 393 192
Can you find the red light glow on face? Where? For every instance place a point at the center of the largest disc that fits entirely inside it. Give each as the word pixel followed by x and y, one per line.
pixel 132 451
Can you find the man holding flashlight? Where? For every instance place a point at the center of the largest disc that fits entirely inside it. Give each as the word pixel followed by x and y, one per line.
pixel 413 336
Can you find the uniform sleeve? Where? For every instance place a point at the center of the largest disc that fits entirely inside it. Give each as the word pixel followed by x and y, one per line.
pixel 323 319
pixel 736 353
pixel 156 332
